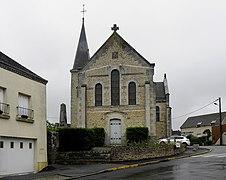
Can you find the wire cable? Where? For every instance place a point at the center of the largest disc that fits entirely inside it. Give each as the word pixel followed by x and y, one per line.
pixel 195 110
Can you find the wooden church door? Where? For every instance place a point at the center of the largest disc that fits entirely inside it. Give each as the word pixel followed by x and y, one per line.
pixel 115 131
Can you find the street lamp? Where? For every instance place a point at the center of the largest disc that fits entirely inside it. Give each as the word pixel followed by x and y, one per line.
pixel 219 99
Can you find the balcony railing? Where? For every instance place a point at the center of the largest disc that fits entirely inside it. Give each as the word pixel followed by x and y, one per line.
pixel 25 113
pixel 4 109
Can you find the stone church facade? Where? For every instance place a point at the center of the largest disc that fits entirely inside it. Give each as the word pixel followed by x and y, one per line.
pixel 114 89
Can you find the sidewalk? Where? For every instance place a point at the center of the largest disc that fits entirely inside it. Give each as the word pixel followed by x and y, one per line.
pixel 61 172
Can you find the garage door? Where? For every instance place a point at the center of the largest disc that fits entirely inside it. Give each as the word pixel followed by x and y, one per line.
pixel 16 156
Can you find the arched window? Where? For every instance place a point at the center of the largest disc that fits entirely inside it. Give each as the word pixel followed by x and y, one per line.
pixel 115 96
pixel 132 93
pixel 98 95
pixel 157 113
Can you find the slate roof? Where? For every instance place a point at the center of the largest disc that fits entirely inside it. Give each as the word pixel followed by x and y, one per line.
pixel 160 91
pixel 82 54
pixel 205 120
pixel 13 66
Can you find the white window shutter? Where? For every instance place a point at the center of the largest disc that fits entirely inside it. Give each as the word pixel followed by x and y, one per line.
pixel 1 99
pixel 1 95
pixel 23 104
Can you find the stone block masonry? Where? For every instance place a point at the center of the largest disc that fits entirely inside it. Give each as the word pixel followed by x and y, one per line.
pixel 116 154
pixel 106 154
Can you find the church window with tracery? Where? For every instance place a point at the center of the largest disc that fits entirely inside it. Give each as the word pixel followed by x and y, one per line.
pixel 98 95
pixel 115 86
pixel 132 93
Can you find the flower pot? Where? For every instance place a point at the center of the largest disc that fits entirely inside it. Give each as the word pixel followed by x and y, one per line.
pixel 24 116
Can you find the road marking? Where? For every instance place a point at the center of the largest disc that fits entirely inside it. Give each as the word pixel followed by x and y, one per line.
pixel 212 155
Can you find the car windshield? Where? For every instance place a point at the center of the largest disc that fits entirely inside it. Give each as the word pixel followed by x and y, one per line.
pixel 179 138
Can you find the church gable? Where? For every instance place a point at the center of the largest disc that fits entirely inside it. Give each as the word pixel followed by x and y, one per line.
pixel 116 51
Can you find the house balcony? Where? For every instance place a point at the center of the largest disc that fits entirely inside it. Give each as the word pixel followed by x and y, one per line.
pixel 25 114
pixel 4 111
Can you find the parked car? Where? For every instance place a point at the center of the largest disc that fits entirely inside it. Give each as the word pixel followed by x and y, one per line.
pixel 174 139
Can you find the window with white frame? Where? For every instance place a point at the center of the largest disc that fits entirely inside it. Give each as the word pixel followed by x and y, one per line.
pixel 199 124
pixel 4 107
pixel 23 104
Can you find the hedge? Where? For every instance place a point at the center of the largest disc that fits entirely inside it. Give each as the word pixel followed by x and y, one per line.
pixel 199 140
pixel 80 139
pixel 136 134
pixel 99 136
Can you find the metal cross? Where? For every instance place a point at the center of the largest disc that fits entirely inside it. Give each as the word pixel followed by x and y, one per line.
pixel 83 11
pixel 115 28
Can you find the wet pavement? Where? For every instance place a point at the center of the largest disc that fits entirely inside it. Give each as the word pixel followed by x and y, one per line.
pixel 207 166
pixel 58 172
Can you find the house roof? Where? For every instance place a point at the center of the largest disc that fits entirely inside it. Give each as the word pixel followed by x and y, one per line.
pixel 13 66
pixel 82 54
pixel 202 120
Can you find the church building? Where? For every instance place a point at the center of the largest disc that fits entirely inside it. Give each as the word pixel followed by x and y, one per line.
pixel 114 89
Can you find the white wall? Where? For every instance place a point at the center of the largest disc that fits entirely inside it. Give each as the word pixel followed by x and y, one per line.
pixel 14 85
pixel 196 131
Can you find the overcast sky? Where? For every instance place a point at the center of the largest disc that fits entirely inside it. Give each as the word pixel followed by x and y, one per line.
pixel 186 39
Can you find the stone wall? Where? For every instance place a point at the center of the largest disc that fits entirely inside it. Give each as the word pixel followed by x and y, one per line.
pixel 161 125
pixel 106 154
pixel 100 155
pixel 116 154
pixel 52 147
pixel 136 153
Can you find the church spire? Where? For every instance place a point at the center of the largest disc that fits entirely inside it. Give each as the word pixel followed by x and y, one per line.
pixel 82 54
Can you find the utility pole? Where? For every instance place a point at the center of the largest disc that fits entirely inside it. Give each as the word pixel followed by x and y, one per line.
pixel 220 122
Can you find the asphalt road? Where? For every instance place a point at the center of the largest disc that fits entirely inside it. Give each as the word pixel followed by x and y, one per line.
pixel 207 166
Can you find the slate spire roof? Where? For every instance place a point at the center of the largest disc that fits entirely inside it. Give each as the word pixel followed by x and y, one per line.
pixel 13 66
pixel 82 56
pixel 162 89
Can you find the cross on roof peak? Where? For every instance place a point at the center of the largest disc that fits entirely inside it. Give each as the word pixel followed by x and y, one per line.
pixel 115 28
pixel 83 11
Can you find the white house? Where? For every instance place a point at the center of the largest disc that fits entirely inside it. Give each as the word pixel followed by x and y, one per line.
pixel 196 125
pixel 23 142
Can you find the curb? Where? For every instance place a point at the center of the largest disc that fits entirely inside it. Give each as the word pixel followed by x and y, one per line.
pixel 154 162
pixel 141 164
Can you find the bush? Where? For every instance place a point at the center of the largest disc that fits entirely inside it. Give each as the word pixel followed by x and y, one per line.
pixel 51 127
pixel 136 134
pixel 80 139
pixel 99 137
pixel 75 139
pixel 199 140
